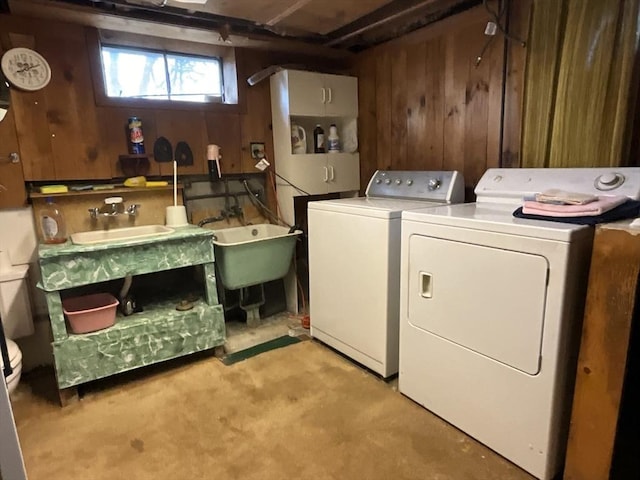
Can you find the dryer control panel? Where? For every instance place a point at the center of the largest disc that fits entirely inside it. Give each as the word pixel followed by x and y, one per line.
pixel 511 185
pixel 437 186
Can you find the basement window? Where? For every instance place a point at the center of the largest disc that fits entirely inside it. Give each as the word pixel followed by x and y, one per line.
pixel 138 73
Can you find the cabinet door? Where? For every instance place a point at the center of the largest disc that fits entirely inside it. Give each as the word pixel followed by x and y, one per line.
pixel 341 95
pixel 308 172
pixel 344 172
pixel 307 95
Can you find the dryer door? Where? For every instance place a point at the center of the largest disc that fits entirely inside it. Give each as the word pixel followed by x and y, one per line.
pixel 485 299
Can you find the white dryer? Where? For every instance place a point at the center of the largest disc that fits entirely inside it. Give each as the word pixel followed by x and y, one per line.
pixel 354 262
pixel 491 309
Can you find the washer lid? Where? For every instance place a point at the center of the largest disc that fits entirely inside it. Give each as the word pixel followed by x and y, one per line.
pixel 14 354
pixel 495 218
pixel 370 207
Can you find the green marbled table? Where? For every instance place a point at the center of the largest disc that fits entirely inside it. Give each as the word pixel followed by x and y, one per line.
pixel 158 333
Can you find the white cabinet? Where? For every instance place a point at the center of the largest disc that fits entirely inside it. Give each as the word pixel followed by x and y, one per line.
pixel 322 173
pixel 307 99
pixel 320 94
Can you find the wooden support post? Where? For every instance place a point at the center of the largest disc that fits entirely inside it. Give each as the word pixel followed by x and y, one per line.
pixel 594 434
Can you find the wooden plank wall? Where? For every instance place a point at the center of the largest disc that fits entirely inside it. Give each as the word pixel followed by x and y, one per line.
pixel 424 105
pixel 64 135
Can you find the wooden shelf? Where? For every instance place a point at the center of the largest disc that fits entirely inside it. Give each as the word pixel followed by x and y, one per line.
pixel 120 189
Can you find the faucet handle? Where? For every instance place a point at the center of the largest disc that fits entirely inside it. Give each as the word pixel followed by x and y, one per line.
pixel 133 209
pixel 93 212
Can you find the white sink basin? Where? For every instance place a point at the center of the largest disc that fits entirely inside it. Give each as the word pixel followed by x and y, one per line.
pixel 119 234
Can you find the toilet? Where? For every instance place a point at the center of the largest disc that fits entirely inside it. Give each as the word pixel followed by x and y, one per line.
pixel 15 309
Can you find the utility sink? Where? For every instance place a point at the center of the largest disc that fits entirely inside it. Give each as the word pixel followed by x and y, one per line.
pixel 119 234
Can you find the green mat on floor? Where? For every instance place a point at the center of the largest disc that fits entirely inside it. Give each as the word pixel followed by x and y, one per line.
pixel 258 349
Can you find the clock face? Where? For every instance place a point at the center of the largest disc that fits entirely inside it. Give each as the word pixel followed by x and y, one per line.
pixel 25 68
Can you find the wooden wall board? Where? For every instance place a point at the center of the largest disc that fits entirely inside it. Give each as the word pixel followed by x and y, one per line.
pixel 399 109
pixel 384 158
pixel 183 126
pixel 29 109
pixel 434 106
pixel 12 190
pixel 115 136
pixel 71 113
pixel 434 109
pixel 255 126
pixel 458 55
pixel 367 114
pixel 519 19
pixel 224 130
pixel 417 66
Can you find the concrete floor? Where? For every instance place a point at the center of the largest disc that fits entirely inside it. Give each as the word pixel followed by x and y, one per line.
pixel 303 411
pixel 300 412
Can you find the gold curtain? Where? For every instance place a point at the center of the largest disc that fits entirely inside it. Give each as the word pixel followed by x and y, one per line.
pixel 581 83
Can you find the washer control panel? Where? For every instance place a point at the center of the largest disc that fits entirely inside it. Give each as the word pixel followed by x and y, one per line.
pixel 440 186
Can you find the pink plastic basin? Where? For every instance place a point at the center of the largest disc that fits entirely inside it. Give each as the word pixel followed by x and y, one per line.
pixel 89 313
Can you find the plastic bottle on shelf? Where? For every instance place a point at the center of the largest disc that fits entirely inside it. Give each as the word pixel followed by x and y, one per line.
pixel 318 139
pixel 52 223
pixel 333 140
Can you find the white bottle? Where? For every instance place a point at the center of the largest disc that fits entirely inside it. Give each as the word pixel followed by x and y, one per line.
pixel 333 141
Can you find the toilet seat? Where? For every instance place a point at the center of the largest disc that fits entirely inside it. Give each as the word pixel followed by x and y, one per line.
pixel 15 355
pixel 15 360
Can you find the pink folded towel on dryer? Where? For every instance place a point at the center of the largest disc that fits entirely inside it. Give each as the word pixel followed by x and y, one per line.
pixel 600 206
pixel 562 197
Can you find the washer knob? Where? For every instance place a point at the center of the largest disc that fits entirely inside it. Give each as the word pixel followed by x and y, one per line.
pixel 433 184
pixel 409 182
pixel 378 181
pixel 388 181
pixel 398 182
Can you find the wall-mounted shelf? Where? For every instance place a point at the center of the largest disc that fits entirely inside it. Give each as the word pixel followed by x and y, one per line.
pixel 103 192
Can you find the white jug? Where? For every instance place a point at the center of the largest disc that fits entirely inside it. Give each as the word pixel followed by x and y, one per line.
pixel 298 139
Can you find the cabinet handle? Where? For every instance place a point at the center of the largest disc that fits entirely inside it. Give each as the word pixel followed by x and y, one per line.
pixel 324 95
pixel 326 174
pixel 330 95
pixel 332 176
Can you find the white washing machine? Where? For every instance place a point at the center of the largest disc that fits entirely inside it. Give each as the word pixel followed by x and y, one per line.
pixel 354 262
pixel 491 309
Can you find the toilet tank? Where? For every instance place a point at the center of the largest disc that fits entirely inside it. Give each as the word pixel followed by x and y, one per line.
pixel 15 306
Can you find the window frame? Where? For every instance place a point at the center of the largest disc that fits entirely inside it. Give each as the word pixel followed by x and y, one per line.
pixel 233 96
pixel 165 54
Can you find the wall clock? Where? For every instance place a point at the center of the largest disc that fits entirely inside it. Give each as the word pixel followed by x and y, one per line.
pixel 25 69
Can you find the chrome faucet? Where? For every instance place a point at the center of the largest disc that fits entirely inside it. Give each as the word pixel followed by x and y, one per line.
pixel 114 206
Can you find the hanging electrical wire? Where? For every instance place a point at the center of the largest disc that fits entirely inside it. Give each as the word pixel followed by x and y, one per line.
pixel 253 198
pixel 491 27
pixel 289 183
